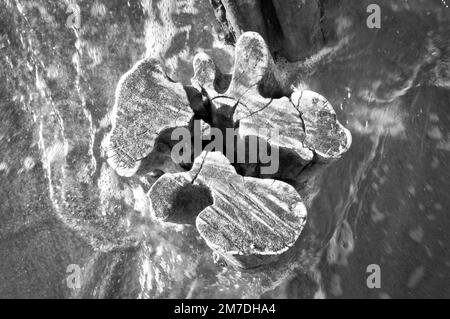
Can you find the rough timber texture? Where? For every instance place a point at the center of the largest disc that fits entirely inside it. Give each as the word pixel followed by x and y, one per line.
pixel 243 102
pixel 324 134
pixel 147 103
pixel 306 123
pixel 254 112
pixel 249 221
pixel 250 218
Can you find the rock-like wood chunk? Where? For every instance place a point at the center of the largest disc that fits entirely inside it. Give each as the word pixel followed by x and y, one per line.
pixel 249 221
pixel 325 135
pixel 306 123
pixel 147 103
pixel 255 114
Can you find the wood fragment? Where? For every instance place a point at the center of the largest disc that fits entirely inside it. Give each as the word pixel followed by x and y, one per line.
pixel 250 221
pixel 147 103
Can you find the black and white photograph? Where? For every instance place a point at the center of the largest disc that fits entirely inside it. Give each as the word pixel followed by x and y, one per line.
pixel 236 151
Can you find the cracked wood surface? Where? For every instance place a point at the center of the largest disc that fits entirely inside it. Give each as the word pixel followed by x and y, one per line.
pixel 325 135
pixel 250 218
pixel 307 123
pixel 249 221
pixel 147 103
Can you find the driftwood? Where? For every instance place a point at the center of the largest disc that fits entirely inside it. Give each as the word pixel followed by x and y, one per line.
pixel 307 125
pixel 249 221
pixel 310 136
pixel 148 106
pixel 246 214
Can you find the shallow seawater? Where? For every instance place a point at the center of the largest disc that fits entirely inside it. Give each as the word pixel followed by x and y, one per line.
pixel 385 202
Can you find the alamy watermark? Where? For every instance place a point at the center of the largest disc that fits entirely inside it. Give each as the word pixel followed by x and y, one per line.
pixel 374 279
pixel 374 19
pixel 75 276
pixel 252 149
